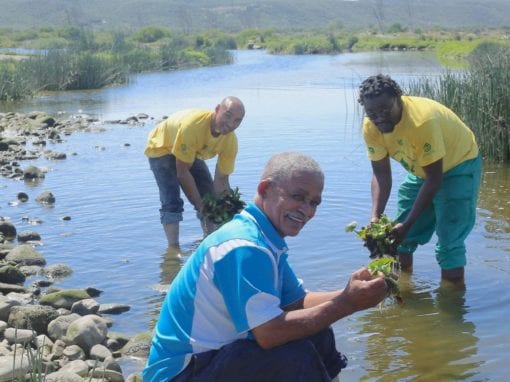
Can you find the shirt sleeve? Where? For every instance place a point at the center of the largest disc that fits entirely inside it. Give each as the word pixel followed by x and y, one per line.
pixel 227 157
pixel 247 279
pixel 376 150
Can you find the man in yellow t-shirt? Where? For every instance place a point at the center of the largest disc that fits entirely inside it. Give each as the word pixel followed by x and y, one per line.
pixel 440 191
pixel 177 149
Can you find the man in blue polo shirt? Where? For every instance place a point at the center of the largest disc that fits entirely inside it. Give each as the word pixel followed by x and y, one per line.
pixel 237 312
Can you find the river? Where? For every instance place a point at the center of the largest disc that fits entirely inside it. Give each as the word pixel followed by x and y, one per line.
pixel 114 241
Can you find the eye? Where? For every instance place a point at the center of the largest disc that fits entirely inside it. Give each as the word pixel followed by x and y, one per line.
pixel 298 197
pixel 315 203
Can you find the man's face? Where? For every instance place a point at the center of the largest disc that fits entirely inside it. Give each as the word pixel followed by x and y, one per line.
pixel 384 111
pixel 290 205
pixel 227 118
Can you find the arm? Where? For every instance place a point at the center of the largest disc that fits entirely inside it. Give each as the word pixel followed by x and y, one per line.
pixel 381 187
pixel 188 184
pixel 321 309
pixel 429 188
pixel 221 182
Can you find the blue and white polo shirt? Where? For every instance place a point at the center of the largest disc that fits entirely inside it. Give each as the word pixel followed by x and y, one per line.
pixel 237 279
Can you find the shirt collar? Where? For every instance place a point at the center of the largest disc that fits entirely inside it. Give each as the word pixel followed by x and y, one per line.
pixel 266 226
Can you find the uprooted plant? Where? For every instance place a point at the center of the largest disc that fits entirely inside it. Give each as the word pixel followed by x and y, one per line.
pixel 221 210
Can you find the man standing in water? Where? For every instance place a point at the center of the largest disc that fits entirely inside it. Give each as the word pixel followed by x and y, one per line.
pixel 440 153
pixel 237 312
pixel 177 149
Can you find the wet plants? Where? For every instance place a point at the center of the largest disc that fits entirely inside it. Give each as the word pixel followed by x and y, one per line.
pixel 383 252
pixel 376 237
pixel 221 210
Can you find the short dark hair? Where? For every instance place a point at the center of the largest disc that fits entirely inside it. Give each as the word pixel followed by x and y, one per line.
pixel 377 85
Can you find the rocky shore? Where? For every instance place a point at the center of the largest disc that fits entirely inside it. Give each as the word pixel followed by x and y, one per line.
pixel 49 333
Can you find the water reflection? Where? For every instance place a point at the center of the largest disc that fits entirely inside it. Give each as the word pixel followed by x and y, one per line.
pixel 428 339
pixel 494 198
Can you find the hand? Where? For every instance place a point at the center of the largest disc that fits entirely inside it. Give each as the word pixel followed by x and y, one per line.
pixel 363 291
pixel 208 226
pixel 399 233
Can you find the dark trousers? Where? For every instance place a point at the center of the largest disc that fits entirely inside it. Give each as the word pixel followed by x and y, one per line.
pixel 310 359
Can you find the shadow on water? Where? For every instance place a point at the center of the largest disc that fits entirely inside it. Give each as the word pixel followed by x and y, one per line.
pixel 428 339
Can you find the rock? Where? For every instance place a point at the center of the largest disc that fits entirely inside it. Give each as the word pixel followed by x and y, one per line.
pixel 8 230
pixel 25 236
pixel 11 275
pixel 6 305
pixel 25 255
pixel 138 346
pixel 22 197
pixel 85 307
pixel 64 298
pixel 10 288
pixel 33 317
pixel 57 328
pixel 57 271
pixel 19 336
pixel 73 352
pixel 62 376
pixel 8 372
pixel 87 331
pixel 78 366
pixel 113 308
pixel 46 198
pixel 100 352
pixel 32 172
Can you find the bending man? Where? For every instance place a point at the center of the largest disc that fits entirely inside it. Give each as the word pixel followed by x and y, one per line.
pixel 177 149
pixel 440 191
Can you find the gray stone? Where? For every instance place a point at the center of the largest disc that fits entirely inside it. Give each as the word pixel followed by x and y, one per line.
pixel 87 331
pixel 18 336
pixel 11 275
pixel 58 327
pixel 34 317
pixel 25 255
pixel 9 373
pixel 113 308
pixel 84 307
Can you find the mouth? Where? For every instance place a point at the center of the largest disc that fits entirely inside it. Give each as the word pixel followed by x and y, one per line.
pixel 297 218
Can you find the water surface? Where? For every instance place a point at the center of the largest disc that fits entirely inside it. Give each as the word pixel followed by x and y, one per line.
pixel 308 103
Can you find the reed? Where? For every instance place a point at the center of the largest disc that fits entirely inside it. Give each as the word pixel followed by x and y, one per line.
pixel 479 95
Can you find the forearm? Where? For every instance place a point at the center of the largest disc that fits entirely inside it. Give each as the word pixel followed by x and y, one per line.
pixel 380 189
pixel 221 183
pixel 190 189
pixel 300 323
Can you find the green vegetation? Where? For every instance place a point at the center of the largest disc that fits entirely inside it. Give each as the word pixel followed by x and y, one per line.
pixel 376 237
pixel 221 210
pixel 479 95
pixel 73 58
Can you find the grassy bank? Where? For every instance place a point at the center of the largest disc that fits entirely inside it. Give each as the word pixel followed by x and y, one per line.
pixel 72 58
pixel 480 96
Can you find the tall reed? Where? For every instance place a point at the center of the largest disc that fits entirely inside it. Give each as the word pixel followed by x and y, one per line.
pixel 480 95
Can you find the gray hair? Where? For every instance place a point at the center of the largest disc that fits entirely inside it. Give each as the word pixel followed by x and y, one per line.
pixel 283 166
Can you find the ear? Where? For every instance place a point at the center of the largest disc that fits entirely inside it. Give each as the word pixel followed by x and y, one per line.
pixel 264 184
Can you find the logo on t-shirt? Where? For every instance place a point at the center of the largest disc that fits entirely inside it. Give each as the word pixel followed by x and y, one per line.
pixel 184 147
pixel 371 150
pixel 427 147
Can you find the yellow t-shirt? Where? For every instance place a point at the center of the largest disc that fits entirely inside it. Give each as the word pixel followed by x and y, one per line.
pixel 427 132
pixel 187 135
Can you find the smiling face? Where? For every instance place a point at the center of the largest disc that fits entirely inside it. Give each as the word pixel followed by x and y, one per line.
pixel 290 204
pixel 227 117
pixel 384 111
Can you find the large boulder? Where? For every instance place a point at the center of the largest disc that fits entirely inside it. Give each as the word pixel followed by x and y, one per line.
pixel 35 317
pixel 87 331
pixel 8 230
pixel 26 255
pixel 64 298
pixel 11 275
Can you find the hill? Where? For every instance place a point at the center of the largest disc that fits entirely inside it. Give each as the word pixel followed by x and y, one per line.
pixel 235 15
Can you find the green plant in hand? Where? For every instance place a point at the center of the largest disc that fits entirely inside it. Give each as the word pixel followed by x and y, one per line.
pixel 377 237
pixel 388 268
pixel 221 210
